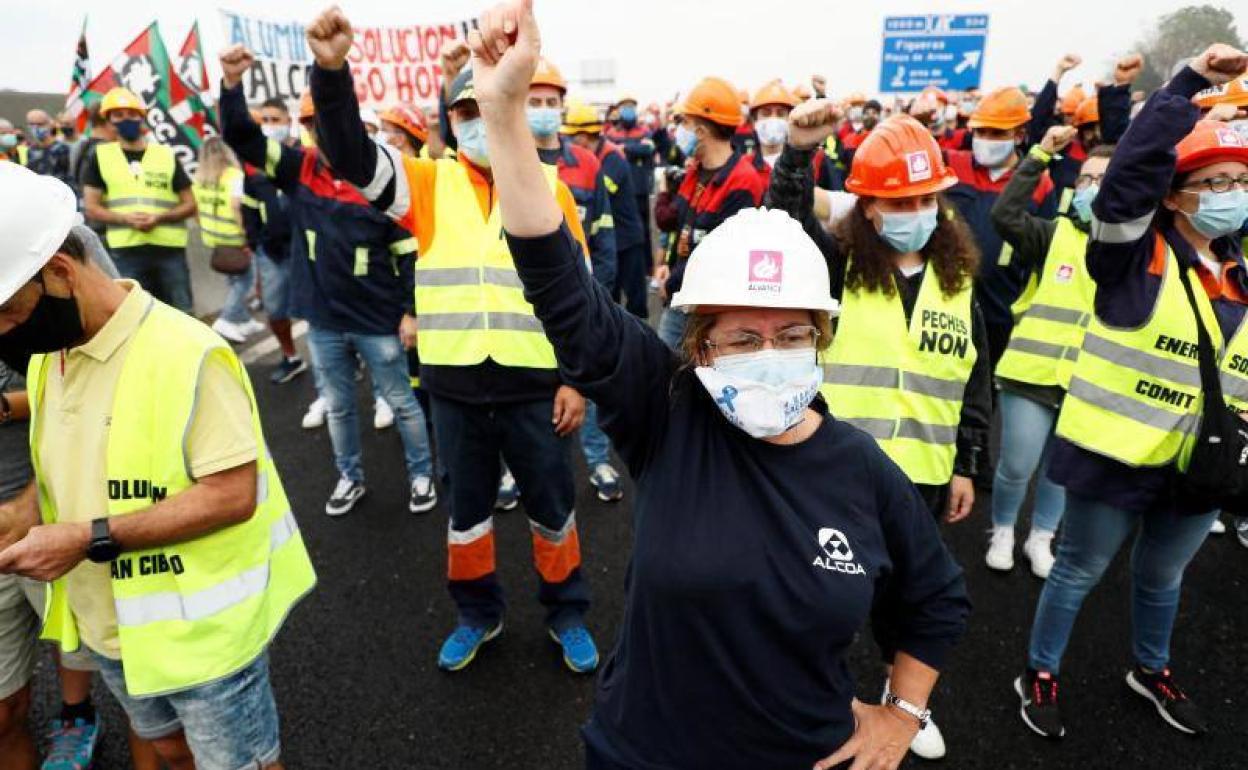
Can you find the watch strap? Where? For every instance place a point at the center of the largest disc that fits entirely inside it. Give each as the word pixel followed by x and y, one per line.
pixel 922 715
pixel 100 530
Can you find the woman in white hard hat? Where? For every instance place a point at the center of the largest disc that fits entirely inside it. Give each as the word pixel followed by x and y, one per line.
pixel 765 529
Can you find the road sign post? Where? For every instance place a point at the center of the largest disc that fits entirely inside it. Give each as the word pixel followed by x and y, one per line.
pixel 943 50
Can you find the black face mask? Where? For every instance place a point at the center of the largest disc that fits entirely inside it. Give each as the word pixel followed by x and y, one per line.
pixel 54 324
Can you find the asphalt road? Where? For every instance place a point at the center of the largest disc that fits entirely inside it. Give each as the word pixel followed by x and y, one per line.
pixel 357 685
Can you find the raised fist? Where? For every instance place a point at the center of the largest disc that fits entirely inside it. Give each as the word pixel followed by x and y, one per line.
pixel 1066 64
pixel 1220 63
pixel 454 59
pixel 1057 138
pixel 330 38
pixel 810 123
pixel 820 85
pixel 1128 69
pixel 505 49
pixel 235 60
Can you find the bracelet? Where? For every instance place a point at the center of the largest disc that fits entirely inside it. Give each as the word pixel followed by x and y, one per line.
pixel 923 715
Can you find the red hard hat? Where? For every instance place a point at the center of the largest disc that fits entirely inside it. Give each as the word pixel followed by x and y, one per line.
pixel 900 158
pixel 1210 142
pixel 410 119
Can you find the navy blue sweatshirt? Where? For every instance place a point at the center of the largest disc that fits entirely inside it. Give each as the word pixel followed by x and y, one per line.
pixel 739 614
pixel 1126 218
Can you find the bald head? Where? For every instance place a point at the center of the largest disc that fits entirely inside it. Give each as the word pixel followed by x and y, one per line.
pixel 6 126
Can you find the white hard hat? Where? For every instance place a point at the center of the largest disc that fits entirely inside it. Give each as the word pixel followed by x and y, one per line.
pixel 34 220
pixel 369 117
pixel 757 258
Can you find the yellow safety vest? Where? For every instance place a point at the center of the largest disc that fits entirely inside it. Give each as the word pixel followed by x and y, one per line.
pixel 1052 314
pixel 151 192
pixel 217 225
pixel 1135 395
pixel 469 300
pixel 194 612
pixel 904 384
pixel 23 155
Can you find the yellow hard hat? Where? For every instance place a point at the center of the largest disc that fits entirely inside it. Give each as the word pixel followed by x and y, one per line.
pixel 121 99
pixel 582 118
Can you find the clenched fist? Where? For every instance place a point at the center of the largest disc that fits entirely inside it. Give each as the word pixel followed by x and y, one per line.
pixel 505 48
pixel 1066 64
pixel 1057 138
pixel 1220 63
pixel 330 38
pixel 810 123
pixel 454 59
pixel 1128 69
pixel 235 60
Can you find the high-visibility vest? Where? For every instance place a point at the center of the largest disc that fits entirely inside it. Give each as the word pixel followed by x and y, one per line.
pixel 904 383
pixel 194 612
pixel 151 192
pixel 1052 314
pixel 217 225
pixel 1135 395
pixel 23 155
pixel 469 300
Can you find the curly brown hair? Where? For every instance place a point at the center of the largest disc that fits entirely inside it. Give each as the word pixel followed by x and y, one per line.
pixel 951 251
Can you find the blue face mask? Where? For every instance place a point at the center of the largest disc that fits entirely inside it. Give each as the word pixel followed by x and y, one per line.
pixel 908 231
pixel 1082 202
pixel 628 115
pixel 1220 213
pixel 471 137
pixel 129 129
pixel 686 140
pixel 543 121
pixel 40 133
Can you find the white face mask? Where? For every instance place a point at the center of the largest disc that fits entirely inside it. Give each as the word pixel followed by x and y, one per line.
pixel 992 153
pixel 772 131
pixel 764 393
pixel 276 132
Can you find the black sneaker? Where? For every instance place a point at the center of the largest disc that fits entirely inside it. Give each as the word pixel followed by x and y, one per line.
pixel 287 370
pixel 1038 692
pixel 1171 702
pixel 344 498
pixel 424 496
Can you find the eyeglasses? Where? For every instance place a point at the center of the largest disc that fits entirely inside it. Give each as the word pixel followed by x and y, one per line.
pixel 792 338
pixel 1221 183
pixel 1083 180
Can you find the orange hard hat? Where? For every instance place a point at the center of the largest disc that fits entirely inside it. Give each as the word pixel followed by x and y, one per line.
pixel 1072 99
pixel 900 158
pixel 306 108
pixel 935 94
pixel 1235 92
pixel 802 92
pixel 1004 108
pixel 548 74
pixel 1086 113
pixel 857 97
pixel 713 99
pixel 408 118
pixel 744 95
pixel 1210 142
pixel 773 93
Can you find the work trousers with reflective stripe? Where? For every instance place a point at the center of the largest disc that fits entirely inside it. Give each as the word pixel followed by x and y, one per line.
pixel 471 437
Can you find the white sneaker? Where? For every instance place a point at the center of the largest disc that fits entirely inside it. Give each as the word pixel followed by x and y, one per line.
pixel 928 742
pixel 1039 551
pixel 231 332
pixel 1000 554
pixel 383 415
pixel 1217 527
pixel 315 416
pixel 253 327
pixel 1241 530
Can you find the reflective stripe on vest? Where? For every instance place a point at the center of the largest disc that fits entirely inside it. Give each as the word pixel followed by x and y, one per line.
pixel 193 612
pixel 217 225
pixel 469 299
pixel 1047 335
pixel 904 384
pixel 151 192
pixel 1135 394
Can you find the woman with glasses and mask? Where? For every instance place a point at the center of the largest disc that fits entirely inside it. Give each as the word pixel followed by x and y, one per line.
pixel 765 529
pixel 1164 237
pixel 909 364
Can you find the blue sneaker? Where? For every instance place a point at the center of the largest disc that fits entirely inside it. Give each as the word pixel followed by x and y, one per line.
pixel 508 493
pixel 287 370
pixel 461 646
pixel 580 654
pixel 72 745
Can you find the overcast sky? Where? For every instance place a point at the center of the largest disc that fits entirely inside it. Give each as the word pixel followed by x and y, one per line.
pixel 659 46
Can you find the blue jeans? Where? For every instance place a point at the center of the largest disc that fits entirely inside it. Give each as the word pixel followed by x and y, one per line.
pixel 334 358
pixel 274 285
pixel 235 308
pixel 1091 535
pixel 230 724
pixel 1026 442
pixel 672 327
pixel 594 443
pixel 163 272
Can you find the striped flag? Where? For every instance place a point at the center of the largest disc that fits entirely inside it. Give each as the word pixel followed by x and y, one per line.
pixel 79 81
pixel 193 69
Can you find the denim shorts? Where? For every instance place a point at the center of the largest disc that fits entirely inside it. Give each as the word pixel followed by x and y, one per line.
pixel 230 724
pixel 274 285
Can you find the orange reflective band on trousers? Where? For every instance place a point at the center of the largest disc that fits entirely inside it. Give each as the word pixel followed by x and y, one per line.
pixel 556 553
pixel 470 554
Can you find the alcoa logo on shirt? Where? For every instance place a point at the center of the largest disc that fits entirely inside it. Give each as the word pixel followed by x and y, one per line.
pixel 766 270
pixel 837 555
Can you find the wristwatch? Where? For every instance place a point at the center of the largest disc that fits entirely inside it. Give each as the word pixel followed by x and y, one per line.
pixel 102 548
pixel 923 715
